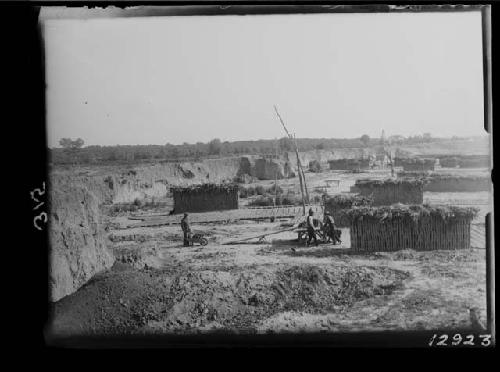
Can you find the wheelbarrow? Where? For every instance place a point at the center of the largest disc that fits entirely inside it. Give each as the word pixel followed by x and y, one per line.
pixel 197 238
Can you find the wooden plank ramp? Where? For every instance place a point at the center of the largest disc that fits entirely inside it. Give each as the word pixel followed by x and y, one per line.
pixel 256 214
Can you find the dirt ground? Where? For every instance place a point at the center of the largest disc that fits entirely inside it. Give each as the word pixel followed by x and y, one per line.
pixel 276 285
pixel 157 285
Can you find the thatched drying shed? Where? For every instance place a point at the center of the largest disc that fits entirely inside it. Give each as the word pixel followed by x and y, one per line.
pixel 392 191
pixel 442 182
pixel 338 204
pixel 465 161
pixel 416 164
pixel 205 198
pixel 349 164
pixel 416 227
pixel 474 161
pixel 457 183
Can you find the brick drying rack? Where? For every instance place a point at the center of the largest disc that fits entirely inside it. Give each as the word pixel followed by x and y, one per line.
pixel 205 198
pixel 421 228
pixel 391 191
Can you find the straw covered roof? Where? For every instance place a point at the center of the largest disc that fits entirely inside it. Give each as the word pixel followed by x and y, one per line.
pixel 457 177
pixel 413 212
pixel 348 200
pixel 206 188
pixel 390 181
pixel 443 176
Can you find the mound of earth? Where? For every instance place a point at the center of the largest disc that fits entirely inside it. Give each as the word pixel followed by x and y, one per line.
pixel 177 299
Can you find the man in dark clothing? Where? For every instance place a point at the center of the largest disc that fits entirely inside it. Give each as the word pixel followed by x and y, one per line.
pixel 329 225
pixel 186 229
pixel 310 228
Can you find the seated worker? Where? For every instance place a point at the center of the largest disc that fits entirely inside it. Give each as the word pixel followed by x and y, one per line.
pixel 310 228
pixel 329 225
pixel 186 230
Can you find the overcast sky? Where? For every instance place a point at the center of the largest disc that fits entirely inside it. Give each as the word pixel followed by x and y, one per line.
pixel 155 80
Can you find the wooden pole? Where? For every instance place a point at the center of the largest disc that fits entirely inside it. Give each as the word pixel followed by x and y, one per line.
pixel 299 174
pixel 302 171
pixel 299 166
pixel 276 176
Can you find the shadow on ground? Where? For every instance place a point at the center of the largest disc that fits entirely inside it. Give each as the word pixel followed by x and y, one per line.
pixel 295 249
pixel 326 251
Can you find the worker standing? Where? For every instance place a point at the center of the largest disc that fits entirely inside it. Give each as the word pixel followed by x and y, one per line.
pixel 310 228
pixel 186 229
pixel 329 224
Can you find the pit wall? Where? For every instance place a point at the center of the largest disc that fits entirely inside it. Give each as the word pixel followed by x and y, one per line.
pixel 121 184
pixel 388 194
pixel 153 181
pixel 429 233
pixel 124 185
pixel 324 156
pixel 77 240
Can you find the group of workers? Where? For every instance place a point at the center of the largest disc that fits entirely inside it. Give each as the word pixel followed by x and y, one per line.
pixel 328 227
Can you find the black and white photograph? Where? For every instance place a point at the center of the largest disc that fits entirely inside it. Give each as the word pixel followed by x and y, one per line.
pixel 268 171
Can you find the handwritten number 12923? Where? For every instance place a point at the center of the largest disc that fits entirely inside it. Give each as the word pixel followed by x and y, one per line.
pixel 457 339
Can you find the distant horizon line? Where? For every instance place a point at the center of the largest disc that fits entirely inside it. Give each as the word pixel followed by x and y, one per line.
pixel 264 139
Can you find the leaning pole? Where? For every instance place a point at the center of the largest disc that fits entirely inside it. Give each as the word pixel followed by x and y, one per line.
pixel 299 166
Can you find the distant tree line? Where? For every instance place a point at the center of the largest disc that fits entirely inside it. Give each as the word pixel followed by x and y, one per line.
pixel 73 152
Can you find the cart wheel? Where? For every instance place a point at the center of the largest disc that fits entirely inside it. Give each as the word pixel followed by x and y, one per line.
pixel 203 241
